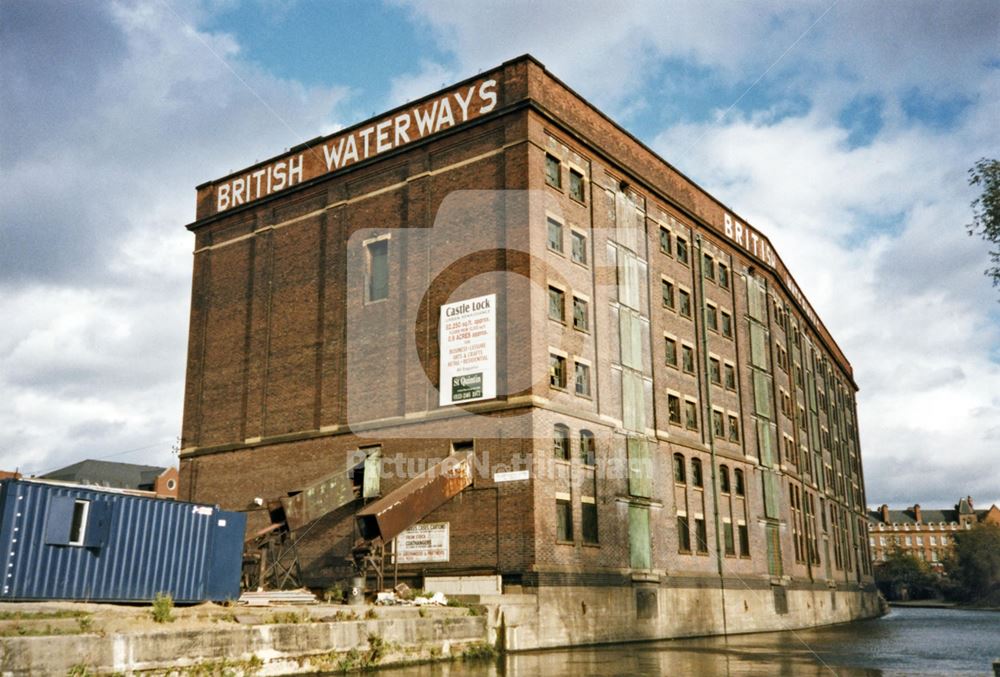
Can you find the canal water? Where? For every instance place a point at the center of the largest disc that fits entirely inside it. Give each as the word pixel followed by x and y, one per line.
pixel 907 641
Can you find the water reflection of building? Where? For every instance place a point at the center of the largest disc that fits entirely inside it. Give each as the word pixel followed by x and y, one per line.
pixel 927 534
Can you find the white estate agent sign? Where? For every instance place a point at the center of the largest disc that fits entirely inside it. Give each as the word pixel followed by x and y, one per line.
pixel 423 543
pixel 469 350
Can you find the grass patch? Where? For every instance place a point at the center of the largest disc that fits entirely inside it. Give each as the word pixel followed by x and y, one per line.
pixel 41 615
pixel 478 651
pixel 163 607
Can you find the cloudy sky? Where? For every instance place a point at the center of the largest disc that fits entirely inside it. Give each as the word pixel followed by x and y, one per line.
pixel 843 130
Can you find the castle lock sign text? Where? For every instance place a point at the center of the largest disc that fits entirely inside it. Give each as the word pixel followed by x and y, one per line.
pixel 468 340
pixel 382 135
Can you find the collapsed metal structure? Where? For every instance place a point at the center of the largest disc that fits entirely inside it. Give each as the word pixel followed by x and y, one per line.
pixel 271 559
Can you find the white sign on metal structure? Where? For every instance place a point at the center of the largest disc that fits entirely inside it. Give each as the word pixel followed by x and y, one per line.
pixel 423 543
pixel 511 476
pixel 468 340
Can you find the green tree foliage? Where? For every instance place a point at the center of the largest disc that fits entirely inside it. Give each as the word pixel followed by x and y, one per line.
pixel 985 174
pixel 903 576
pixel 975 567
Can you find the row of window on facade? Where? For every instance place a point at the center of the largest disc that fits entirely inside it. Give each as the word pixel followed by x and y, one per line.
pixel 720 373
pixel 676 246
pixel 554 177
pixel 917 527
pixel 678 299
pixel 559 374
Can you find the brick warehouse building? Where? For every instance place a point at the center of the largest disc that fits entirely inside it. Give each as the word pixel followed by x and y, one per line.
pixel 647 346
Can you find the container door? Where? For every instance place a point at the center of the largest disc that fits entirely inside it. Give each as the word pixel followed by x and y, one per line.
pixel 224 565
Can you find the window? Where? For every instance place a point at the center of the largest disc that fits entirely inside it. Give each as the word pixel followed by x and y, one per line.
pixel 683 534
pixel 670 351
pixel 730 374
pixel 555 235
pixel 744 540
pixel 557 304
pixel 734 429
pixel 78 527
pixel 682 250
pixel 377 255
pixel 578 246
pixel 557 371
pixel 588 521
pixel 685 303
pixel 701 534
pixel 581 319
pixel 723 276
pixel 724 479
pixel 560 441
pixel 665 241
pixel 727 532
pixel 588 448
pixel 576 186
pixel 727 324
pixel 564 521
pixel 718 424
pixel 708 266
pixel 697 479
pixel 553 171
pixel 738 483
pixel 674 409
pixel 680 473
pixel 712 317
pixel 583 379
pixel 691 415
pixel 667 291
pixel 687 356
pixel 715 370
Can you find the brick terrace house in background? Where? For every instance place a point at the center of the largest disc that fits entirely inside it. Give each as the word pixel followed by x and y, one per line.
pixel 689 424
pixel 160 481
pixel 924 533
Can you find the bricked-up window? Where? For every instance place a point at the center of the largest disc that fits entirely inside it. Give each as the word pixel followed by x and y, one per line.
pixel 560 441
pixel 727 537
pixel 685 302
pixel 588 520
pixel 564 520
pixel 738 482
pixel 377 272
pixel 581 318
pixel 683 534
pixel 697 478
pixel 687 355
pixel 727 324
pixel 701 535
pixel 578 243
pixel 712 317
pixel 715 370
pixel 557 371
pixel 553 171
pixel 734 428
pixel 691 415
pixel 557 304
pixel 665 241
pixel 576 186
pixel 744 536
pixel 582 379
pixel 718 424
pixel 730 376
pixel 555 235
pixel 724 479
pixel 723 276
pixel 667 291
pixel 588 448
pixel 708 266
pixel 674 409
pixel 680 470
pixel 682 250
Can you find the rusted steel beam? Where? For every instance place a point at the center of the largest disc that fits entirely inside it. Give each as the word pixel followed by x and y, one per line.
pixel 395 512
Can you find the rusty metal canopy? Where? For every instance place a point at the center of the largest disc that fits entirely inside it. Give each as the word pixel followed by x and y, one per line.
pixel 392 514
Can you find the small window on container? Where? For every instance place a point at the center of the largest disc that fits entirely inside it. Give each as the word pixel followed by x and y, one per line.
pixel 78 527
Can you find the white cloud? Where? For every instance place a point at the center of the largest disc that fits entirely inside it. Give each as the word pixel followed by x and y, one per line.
pixel 95 264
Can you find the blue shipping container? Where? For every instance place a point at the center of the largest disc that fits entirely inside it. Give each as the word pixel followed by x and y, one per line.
pixel 82 543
